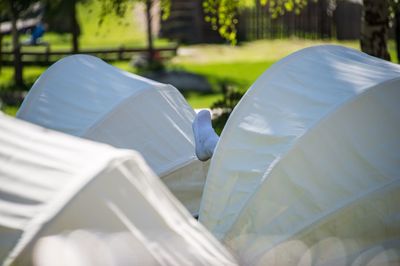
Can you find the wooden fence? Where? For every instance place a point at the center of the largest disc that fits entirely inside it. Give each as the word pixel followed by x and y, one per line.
pixel 315 21
pixel 48 56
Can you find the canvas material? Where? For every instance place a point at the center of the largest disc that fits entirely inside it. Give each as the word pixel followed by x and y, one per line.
pixel 100 102
pixel 53 183
pixel 289 99
pixel 333 199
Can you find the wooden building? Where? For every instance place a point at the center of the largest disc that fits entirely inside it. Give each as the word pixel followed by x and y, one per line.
pixel 186 23
pixel 318 20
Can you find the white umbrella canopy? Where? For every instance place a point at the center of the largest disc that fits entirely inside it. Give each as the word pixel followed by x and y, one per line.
pixel 86 97
pixel 281 107
pixel 307 167
pixel 334 198
pixel 52 184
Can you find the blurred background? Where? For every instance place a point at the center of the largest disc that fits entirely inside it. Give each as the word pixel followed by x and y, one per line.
pixel 211 50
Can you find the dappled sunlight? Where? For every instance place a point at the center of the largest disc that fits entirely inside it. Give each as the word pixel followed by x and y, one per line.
pixel 263 50
pixel 113 30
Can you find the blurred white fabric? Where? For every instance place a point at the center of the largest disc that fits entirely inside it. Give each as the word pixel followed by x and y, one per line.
pixel 109 199
pixel 310 153
pixel 86 97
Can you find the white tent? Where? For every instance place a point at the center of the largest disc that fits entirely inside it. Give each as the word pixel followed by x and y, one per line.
pixel 52 183
pixel 307 167
pixel 83 96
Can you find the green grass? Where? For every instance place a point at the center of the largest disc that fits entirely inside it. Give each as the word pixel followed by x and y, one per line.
pixel 392 51
pixel 10 110
pixel 30 73
pixel 198 100
pixel 256 51
pixel 239 73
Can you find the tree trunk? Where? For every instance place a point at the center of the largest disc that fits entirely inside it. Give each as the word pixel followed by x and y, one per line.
pixel 18 75
pixel 74 28
pixel 375 28
pixel 149 30
pixel 1 51
pixel 397 34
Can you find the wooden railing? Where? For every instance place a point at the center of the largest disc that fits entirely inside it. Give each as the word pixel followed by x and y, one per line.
pixel 109 54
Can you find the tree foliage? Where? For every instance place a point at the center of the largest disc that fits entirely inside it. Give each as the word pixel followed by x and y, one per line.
pixel 119 7
pixel 66 10
pixel 394 7
pixel 7 7
pixel 222 14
